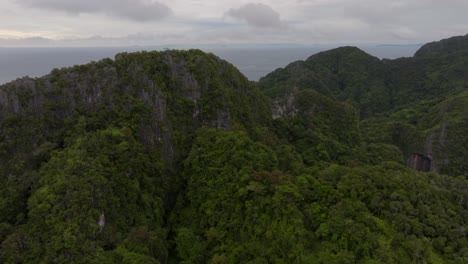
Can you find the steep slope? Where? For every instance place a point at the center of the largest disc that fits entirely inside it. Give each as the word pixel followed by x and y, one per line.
pixel 163 95
pixel 444 47
pixel 175 157
pixel 320 128
pixel 445 126
pixel 412 80
pixel 347 74
pixel 373 86
pixel 385 92
pixel 70 141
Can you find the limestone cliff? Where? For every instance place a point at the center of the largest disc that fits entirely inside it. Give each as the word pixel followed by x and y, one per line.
pixel 182 90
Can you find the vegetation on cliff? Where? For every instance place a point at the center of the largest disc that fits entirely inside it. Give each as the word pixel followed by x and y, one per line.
pixel 412 103
pixel 174 156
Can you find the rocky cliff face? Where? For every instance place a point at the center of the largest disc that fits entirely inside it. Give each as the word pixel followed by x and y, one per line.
pixel 446 124
pixel 142 140
pixel 168 95
pixel 182 90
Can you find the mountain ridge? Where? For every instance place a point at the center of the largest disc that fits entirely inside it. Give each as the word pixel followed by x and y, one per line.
pixel 174 156
pixel 444 46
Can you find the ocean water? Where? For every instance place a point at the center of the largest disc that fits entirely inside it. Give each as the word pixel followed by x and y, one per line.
pixel 252 62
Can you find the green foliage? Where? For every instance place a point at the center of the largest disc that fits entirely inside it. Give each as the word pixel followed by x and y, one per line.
pixel 330 214
pixel 393 132
pixel 379 153
pixel 237 207
pixel 179 155
pixel 373 212
pixel 321 129
pixel 403 102
pixel 446 46
pixel 347 74
pixel 105 172
pixel 446 126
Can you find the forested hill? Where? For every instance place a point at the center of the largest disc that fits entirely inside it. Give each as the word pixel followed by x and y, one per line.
pixel 175 157
pixel 377 86
pixel 444 47
pixel 417 104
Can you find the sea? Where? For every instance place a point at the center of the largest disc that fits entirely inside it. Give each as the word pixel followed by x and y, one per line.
pixel 253 62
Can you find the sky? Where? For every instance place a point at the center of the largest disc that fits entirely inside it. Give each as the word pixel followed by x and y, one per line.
pixel 77 23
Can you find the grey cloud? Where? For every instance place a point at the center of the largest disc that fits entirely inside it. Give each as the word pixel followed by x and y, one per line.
pixel 257 15
pixel 383 20
pixel 409 19
pixel 136 10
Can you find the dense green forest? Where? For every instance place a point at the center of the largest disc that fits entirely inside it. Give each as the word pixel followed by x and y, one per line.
pixel 175 157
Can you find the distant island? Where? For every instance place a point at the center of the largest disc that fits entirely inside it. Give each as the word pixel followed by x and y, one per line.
pixel 400 45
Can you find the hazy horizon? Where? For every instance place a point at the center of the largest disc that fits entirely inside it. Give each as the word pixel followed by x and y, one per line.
pixel 252 62
pixel 271 33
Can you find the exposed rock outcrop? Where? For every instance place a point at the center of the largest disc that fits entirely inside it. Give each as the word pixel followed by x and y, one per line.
pixel 184 90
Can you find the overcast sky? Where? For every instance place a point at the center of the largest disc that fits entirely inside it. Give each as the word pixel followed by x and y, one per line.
pixel 225 22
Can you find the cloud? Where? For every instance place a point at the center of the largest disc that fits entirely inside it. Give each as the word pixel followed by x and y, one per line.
pixel 307 21
pixel 257 16
pixel 383 20
pixel 136 10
